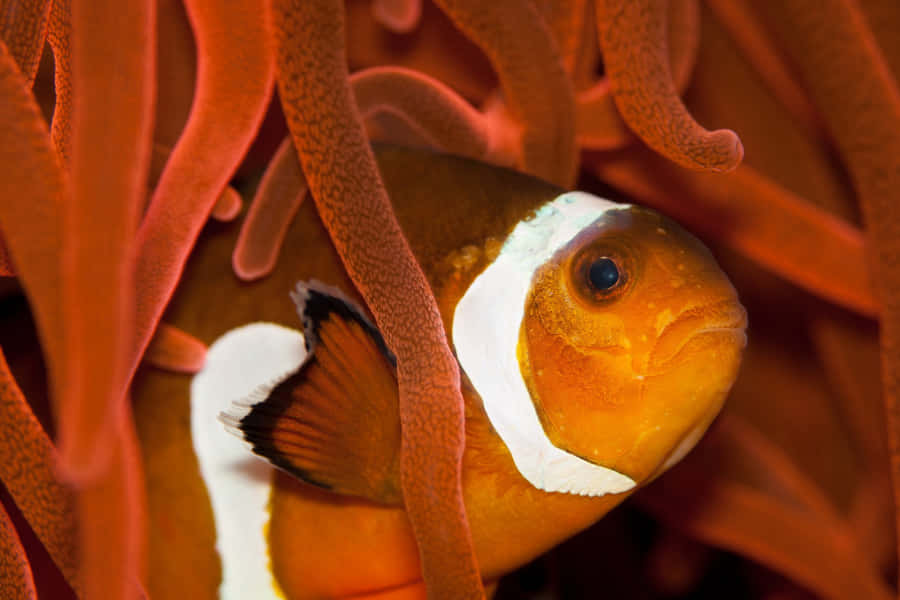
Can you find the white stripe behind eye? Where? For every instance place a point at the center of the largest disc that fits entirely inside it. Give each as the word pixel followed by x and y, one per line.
pixel 486 327
pixel 239 483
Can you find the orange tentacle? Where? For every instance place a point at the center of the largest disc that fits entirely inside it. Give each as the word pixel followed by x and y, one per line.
pixel 23 27
pixel 633 39
pixel 228 205
pixel 400 16
pixel 436 113
pixel 30 213
pixel 112 521
pixel 59 36
pixel 849 351
pixel 537 91
pixel 600 126
pixel 6 266
pixel 16 581
pixel 277 199
pixel 745 28
pixel 684 40
pixel 234 83
pixel 787 537
pixel 566 21
pixel 439 113
pixel 177 65
pixel 109 171
pixel 175 350
pixel 853 87
pixel 31 479
pixel 352 202
pixel 747 211
pixel 465 69
pixel 883 18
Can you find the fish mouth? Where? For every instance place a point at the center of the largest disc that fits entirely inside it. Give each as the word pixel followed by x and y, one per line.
pixel 727 318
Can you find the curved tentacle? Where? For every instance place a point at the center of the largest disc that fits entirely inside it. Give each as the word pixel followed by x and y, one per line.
pixel 633 39
pixel 353 204
pixel 537 92
pixel 59 36
pixel 762 220
pixel 109 171
pixel 175 350
pixel 444 117
pixel 31 479
pixel 400 16
pixel 16 580
pixel 600 126
pixel 23 27
pixel 177 65
pixel 31 211
pixel 279 195
pixel 234 83
pixel 435 111
pixel 228 205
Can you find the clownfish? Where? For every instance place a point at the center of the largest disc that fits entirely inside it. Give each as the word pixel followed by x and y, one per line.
pixel 596 342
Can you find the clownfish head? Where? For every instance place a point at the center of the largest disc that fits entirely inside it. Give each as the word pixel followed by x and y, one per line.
pixel 617 337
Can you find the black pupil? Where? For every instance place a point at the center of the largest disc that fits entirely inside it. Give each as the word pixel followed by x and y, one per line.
pixel 603 273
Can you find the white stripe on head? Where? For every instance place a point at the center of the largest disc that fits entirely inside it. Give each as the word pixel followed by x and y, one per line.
pixel 242 362
pixel 486 327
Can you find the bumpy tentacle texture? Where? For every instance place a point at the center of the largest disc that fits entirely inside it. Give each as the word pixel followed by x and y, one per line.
pixel 352 202
pixel 600 126
pixel 59 35
pixel 16 581
pixel 537 92
pixel 645 94
pixel 860 102
pixel 235 78
pixel 109 171
pixel 442 117
pixel 23 27
pixel 31 477
pixel 174 350
pixel 6 266
pixel 30 214
pixel 439 117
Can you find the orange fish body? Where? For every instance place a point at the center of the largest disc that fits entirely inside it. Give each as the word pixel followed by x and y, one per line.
pixel 619 342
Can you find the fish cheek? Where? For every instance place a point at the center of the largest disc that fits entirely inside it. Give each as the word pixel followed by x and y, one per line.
pixel 577 368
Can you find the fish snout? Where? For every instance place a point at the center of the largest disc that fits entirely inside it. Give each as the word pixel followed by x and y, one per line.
pixel 725 319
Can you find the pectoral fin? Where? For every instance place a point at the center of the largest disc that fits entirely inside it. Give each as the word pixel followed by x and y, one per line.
pixel 335 423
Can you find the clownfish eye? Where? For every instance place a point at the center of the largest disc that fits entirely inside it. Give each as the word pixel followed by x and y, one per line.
pixel 603 274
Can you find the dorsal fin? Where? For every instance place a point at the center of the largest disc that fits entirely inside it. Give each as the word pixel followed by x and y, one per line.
pixel 335 423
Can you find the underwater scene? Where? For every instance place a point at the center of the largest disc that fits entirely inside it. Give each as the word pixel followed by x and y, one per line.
pixel 408 299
